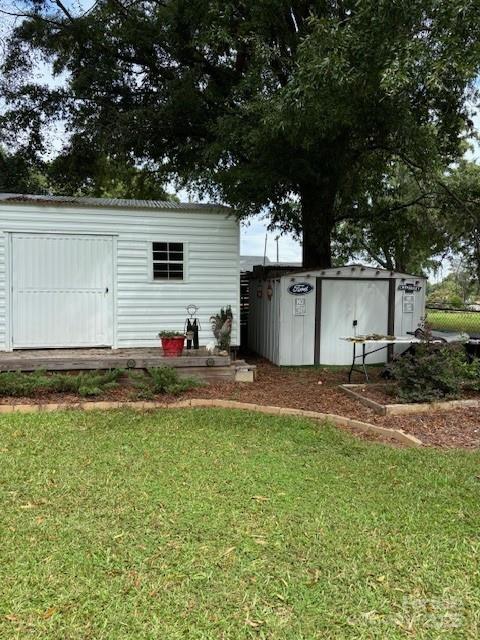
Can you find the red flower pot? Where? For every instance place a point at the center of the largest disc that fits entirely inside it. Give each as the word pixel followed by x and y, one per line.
pixel 173 347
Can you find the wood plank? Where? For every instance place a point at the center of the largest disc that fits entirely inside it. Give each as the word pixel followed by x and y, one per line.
pixel 65 360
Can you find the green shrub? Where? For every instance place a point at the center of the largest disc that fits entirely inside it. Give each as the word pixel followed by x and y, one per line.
pixel 456 301
pixel 431 372
pixel 88 383
pixel 471 375
pixel 161 380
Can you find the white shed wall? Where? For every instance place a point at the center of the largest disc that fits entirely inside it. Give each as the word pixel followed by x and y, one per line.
pixel 143 307
pixel 297 332
pixel 264 319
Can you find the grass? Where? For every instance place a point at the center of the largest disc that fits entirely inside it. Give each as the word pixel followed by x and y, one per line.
pixel 466 321
pixel 208 524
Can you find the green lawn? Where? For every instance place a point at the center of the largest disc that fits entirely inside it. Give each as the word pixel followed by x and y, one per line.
pixel 466 321
pixel 202 524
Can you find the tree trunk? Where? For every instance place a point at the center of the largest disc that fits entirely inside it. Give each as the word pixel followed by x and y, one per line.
pixel 317 225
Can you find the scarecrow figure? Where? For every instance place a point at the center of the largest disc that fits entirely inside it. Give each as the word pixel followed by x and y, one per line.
pixel 192 327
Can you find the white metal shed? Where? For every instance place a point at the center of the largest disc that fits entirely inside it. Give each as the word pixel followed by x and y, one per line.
pixel 299 317
pixel 86 272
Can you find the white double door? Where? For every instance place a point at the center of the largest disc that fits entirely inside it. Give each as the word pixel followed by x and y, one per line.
pixel 62 290
pixel 345 302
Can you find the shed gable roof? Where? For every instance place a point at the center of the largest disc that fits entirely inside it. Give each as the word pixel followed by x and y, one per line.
pixel 108 203
pixel 353 271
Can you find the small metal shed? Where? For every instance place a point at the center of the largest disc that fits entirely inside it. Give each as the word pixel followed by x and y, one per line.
pixel 299 317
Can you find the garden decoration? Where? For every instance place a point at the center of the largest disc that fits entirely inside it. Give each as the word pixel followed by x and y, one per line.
pixel 172 343
pixel 192 327
pixel 222 328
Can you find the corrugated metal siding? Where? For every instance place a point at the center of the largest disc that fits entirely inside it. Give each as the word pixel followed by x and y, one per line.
pixel 264 319
pixel 145 307
pixel 3 289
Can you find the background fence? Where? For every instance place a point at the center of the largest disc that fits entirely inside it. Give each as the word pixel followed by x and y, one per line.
pixel 444 318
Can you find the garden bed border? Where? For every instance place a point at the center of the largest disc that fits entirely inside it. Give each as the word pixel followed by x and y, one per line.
pixel 398 409
pixel 365 427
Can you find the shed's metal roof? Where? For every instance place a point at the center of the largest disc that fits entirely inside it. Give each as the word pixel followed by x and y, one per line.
pixel 108 203
pixel 353 271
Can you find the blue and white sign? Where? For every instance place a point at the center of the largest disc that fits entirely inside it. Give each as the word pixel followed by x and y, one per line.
pixel 300 288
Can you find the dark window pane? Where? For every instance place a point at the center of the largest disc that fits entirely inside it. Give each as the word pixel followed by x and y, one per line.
pixel 167 260
pixel 176 271
pixel 160 271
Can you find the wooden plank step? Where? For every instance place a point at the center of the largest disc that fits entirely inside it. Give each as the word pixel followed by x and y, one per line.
pixel 10 362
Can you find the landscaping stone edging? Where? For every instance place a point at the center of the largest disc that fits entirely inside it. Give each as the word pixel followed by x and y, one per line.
pixel 405 409
pixel 405 438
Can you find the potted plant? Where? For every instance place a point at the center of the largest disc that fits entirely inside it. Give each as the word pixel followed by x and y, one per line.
pixel 172 343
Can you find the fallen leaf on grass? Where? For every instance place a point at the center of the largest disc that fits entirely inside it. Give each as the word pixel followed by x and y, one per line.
pixel 255 624
pixel 228 552
pixel 49 613
pixel 11 617
pixel 260 498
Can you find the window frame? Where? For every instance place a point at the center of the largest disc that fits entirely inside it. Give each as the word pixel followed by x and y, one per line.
pixel 169 281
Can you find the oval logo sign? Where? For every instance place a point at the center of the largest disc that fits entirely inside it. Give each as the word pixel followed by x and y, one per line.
pixel 300 288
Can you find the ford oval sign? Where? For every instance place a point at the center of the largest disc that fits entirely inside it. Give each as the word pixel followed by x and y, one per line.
pixel 300 288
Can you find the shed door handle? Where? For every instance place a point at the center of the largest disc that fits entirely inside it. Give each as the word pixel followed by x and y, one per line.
pixel 106 289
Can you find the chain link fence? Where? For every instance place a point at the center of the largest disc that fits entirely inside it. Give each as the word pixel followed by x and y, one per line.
pixel 444 318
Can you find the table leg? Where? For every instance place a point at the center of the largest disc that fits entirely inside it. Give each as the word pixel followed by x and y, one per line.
pixel 353 362
pixel 364 355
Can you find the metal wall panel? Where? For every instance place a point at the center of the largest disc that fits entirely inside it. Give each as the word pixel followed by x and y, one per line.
pixel 143 307
pixel 264 318
pixel 344 301
pixel 409 308
pixel 297 325
pixel 62 290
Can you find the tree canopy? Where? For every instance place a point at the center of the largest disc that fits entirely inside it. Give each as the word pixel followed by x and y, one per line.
pixel 79 175
pixel 294 107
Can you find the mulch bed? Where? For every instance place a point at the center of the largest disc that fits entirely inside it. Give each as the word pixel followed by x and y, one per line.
pixel 314 389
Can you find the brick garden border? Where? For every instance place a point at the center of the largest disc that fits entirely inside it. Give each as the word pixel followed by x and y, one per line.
pixel 352 390
pixel 366 427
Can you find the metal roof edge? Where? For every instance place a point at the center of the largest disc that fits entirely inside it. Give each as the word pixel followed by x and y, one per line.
pixel 108 203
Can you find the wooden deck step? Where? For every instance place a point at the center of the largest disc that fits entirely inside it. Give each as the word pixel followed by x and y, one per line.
pixel 82 359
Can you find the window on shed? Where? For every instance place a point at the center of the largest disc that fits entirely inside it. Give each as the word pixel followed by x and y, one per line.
pixel 168 260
